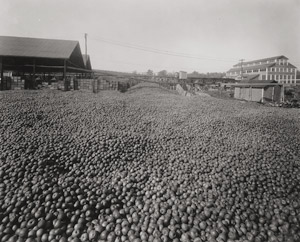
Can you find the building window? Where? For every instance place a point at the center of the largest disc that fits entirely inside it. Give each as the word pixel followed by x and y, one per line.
pixel 270 77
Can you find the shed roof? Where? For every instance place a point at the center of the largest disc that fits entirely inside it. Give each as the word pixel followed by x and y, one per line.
pixel 48 53
pixel 256 84
pixel 36 47
pixel 256 81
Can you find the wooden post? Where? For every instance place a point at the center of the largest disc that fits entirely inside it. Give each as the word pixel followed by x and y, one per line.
pixel 1 75
pixel 65 69
pixel 282 93
pixel 273 89
pixel 33 77
pixel 65 75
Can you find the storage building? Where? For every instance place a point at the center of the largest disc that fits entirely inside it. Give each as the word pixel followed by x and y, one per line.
pixel 25 61
pixel 275 68
pixel 259 92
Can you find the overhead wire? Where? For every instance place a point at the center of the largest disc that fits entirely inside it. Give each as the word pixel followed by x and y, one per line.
pixel 151 66
pixel 159 51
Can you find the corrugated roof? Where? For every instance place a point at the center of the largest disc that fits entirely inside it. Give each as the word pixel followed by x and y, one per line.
pixel 35 47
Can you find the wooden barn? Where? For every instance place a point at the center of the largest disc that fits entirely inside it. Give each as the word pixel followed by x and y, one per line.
pixel 26 61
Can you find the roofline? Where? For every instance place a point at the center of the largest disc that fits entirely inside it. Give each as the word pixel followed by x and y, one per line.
pixel 20 37
pixel 238 67
pixel 17 56
pixel 274 57
pixel 256 84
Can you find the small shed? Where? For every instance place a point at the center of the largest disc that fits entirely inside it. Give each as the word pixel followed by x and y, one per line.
pixel 259 92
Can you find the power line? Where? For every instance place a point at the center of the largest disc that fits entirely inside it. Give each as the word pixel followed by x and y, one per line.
pixel 156 66
pixel 159 51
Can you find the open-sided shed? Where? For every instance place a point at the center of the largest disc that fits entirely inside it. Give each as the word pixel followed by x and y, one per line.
pixel 29 57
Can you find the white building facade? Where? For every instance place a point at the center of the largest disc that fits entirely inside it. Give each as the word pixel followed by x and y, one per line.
pixel 274 68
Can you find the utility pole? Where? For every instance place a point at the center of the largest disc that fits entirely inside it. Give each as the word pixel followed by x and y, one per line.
pixel 85 37
pixel 241 60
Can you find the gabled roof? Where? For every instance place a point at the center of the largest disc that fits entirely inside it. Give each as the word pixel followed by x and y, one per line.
pixel 47 53
pixel 264 59
pixel 34 47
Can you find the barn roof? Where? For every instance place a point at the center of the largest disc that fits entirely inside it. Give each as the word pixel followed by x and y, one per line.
pixel 34 47
pixel 47 52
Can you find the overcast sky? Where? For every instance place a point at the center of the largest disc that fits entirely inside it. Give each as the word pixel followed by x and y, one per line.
pixel 128 35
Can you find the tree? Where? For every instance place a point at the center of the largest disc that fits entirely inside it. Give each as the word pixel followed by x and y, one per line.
pixel 162 73
pixel 195 73
pixel 150 73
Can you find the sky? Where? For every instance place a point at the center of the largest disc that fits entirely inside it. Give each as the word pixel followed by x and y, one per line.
pixel 173 35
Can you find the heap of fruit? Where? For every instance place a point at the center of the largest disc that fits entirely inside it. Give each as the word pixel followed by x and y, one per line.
pixel 146 165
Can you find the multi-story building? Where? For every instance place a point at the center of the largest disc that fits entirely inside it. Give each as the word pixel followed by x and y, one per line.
pixel 274 68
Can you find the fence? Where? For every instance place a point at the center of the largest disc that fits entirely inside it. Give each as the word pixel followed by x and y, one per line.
pixel 100 84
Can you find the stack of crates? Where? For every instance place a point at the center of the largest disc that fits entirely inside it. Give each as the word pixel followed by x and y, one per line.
pixel 54 86
pixel 86 84
pixel 17 83
pixel 60 85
